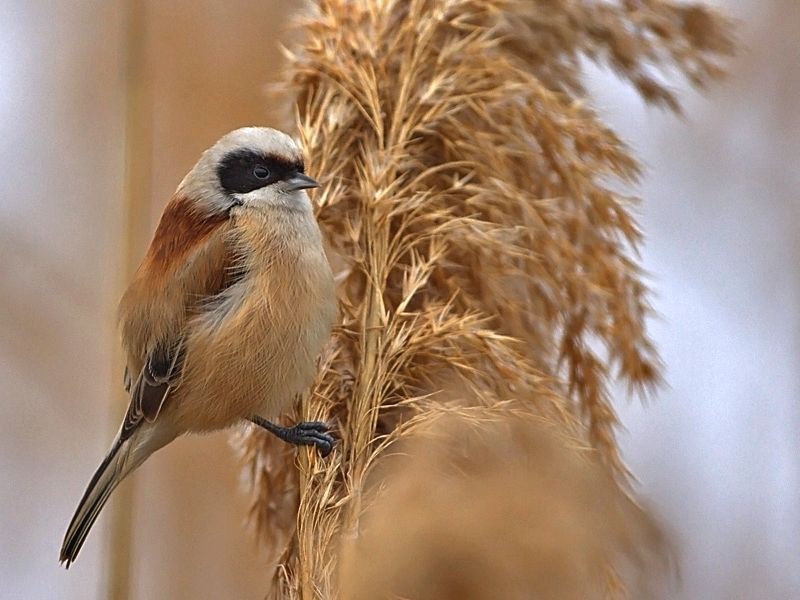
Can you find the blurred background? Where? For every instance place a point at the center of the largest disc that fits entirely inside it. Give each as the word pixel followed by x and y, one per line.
pixel 104 106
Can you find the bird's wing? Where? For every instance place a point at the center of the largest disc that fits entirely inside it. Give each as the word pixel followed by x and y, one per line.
pixel 161 372
pixel 189 261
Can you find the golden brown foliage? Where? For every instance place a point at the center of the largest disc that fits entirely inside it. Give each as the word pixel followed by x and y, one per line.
pixel 496 504
pixel 484 250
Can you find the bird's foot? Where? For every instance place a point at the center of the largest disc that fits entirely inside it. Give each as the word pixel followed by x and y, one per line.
pixel 306 433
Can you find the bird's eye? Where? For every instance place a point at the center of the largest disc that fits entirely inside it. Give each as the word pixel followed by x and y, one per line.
pixel 261 172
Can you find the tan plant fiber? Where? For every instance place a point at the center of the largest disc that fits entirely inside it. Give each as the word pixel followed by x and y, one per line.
pixel 498 504
pixel 480 223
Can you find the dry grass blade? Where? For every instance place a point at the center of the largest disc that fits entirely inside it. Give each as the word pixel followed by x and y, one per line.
pixel 484 251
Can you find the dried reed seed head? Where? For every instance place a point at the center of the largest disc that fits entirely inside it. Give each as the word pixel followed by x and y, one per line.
pixel 498 504
pixel 472 202
pixel 513 222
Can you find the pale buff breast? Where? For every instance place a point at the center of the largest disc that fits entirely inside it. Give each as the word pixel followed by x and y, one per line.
pixel 256 349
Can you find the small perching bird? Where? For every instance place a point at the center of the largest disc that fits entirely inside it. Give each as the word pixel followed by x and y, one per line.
pixel 226 314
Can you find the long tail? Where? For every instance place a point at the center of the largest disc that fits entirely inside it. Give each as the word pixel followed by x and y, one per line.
pixel 124 457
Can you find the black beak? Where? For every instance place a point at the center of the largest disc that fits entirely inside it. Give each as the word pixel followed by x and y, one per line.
pixel 300 181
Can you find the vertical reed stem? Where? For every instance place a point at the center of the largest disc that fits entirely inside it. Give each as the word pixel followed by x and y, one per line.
pixel 135 207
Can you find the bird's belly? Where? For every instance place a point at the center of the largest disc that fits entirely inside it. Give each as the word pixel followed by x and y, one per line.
pixel 255 361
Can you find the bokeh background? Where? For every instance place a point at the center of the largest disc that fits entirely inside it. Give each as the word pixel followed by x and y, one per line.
pixel 104 105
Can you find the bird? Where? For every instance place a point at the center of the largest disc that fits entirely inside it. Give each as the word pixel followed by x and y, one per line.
pixel 227 313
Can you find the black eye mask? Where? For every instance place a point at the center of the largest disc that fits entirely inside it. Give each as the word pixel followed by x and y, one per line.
pixel 243 171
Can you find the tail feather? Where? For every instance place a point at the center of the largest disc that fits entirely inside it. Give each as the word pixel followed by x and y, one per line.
pixel 108 475
pixel 130 449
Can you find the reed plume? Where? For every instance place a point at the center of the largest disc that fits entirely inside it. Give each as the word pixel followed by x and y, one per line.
pixel 480 220
pixel 497 503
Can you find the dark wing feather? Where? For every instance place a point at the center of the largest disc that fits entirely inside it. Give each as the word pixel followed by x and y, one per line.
pixel 161 371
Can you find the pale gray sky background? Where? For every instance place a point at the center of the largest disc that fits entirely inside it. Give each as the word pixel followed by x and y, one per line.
pixel 718 451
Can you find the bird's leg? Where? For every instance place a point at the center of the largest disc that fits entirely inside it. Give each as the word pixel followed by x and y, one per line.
pixel 307 433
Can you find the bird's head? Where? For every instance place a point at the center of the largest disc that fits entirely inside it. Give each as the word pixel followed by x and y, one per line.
pixel 252 167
